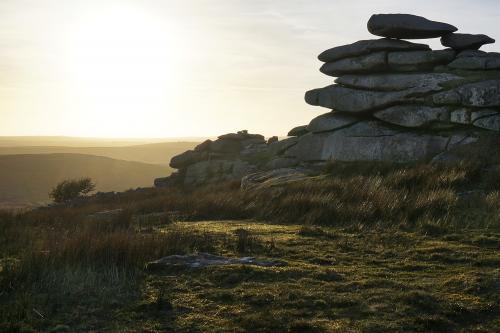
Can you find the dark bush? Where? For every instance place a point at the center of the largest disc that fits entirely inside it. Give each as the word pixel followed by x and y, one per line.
pixel 71 189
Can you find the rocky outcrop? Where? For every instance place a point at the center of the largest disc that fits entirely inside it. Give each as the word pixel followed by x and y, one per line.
pixel 229 158
pixel 393 100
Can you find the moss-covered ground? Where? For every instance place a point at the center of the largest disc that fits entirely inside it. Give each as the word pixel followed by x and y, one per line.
pixel 335 280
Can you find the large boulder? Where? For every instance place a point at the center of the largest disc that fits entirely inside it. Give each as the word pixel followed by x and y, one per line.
pixel 405 26
pixel 330 121
pixel 363 47
pixel 465 41
pixel 374 62
pixel 479 94
pixel 428 82
pixel 215 171
pixel 418 60
pixel 187 158
pixel 345 99
pixel 414 115
pixel 372 141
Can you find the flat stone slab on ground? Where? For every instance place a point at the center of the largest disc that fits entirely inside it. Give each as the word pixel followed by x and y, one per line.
pixel 275 177
pixel 201 260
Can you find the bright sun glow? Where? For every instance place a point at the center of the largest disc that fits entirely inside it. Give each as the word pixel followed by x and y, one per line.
pixel 122 68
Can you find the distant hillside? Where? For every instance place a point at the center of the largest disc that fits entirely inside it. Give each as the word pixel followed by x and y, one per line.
pixel 68 141
pixel 28 178
pixel 154 153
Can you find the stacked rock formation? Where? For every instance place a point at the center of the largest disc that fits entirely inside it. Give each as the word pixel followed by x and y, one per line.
pixel 393 100
pixel 398 101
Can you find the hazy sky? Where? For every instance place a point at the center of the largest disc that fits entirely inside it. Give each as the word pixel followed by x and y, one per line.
pixel 160 68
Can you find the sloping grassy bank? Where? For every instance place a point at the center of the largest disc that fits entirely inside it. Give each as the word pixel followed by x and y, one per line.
pixel 370 248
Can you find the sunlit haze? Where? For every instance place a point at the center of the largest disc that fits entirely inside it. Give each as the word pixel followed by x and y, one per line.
pixel 146 68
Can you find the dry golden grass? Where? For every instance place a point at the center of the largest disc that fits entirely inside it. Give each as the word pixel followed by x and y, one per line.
pixel 59 252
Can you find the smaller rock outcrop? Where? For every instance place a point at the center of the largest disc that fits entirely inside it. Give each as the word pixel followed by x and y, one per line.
pixel 465 41
pixel 228 158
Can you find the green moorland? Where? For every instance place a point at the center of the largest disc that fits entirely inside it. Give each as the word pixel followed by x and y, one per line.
pixel 368 248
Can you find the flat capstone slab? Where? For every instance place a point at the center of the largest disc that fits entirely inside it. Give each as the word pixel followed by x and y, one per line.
pixel 406 26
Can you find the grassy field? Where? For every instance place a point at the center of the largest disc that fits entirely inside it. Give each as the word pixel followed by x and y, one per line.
pixel 367 249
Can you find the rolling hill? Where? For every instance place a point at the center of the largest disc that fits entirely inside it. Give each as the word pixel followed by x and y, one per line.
pixel 26 179
pixel 70 141
pixel 152 153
